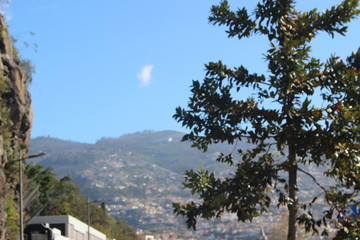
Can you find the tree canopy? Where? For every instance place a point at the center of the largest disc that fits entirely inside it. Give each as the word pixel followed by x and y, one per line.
pixel 48 195
pixel 302 112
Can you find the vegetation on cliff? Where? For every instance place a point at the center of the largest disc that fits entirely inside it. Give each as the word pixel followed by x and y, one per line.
pixel 15 125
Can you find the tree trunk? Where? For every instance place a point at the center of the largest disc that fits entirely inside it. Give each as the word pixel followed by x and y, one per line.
pixel 292 193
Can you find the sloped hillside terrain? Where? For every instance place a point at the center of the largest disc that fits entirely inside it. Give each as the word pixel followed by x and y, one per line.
pixel 123 165
pixel 139 176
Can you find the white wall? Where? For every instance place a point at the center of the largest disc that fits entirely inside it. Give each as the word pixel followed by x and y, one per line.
pixel 75 229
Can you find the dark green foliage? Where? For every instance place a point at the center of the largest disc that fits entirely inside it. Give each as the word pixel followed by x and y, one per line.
pixel 72 202
pixel 123 231
pixel 28 68
pixel 279 119
pixel 41 188
pixel 349 230
pixel 61 197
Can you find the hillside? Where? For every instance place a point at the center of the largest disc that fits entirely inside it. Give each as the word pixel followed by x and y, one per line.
pixel 163 149
pixel 131 172
pixel 131 165
pixel 139 176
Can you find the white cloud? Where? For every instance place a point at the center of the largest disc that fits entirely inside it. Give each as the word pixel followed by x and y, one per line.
pixel 145 75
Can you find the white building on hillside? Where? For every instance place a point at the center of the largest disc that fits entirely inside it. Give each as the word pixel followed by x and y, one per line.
pixel 44 228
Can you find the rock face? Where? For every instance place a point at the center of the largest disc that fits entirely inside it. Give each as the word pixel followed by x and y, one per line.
pixel 15 126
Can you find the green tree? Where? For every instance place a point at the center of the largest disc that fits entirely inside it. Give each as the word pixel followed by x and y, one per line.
pixel 123 231
pixel 282 119
pixel 42 187
pixel 72 202
pixel 49 195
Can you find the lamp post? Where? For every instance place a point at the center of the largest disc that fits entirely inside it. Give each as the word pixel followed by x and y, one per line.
pixel 21 190
pixel 88 214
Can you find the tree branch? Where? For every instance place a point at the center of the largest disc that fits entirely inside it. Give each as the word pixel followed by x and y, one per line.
pixel 313 178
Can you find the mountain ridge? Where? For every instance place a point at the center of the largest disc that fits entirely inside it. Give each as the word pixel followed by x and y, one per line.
pixel 163 148
pixel 133 173
pixel 140 175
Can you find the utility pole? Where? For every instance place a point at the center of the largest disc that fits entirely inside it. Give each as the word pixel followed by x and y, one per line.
pixel 88 214
pixel 21 210
pixel 88 217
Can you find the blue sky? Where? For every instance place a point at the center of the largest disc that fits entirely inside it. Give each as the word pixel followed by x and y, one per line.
pixel 113 67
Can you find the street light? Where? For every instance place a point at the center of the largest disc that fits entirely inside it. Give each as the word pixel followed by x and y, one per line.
pixel 21 189
pixel 88 214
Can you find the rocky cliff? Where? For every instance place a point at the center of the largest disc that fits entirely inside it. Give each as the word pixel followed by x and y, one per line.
pixel 15 126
